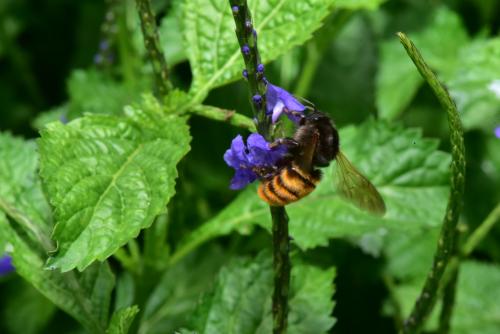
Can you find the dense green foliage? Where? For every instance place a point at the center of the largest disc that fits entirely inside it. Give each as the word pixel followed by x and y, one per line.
pixel 120 220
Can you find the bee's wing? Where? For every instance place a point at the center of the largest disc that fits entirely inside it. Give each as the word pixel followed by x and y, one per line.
pixel 356 188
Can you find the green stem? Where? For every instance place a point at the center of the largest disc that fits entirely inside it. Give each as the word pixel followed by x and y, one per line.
pixel 247 38
pixel 282 268
pixel 481 231
pixel 224 115
pixel 445 247
pixel 153 47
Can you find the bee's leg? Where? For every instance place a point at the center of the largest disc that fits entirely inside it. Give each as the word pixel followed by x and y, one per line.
pixel 297 114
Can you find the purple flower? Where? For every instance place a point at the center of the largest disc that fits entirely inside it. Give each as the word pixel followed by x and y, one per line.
pixel 497 132
pixel 6 265
pixel 250 161
pixel 279 100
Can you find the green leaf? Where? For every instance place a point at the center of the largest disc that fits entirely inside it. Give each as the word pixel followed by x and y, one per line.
pixel 85 297
pixel 359 4
pixel 408 170
pixel 477 309
pixel 178 291
pixel 211 43
pixel 122 319
pixel 241 299
pixel 21 195
pixel 474 84
pixel 108 177
pixel 397 80
pixel 91 91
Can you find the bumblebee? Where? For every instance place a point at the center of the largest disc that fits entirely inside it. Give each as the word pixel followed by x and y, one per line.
pixel 315 143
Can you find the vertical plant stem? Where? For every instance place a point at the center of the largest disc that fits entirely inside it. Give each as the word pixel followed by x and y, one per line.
pixel 153 48
pixel 247 39
pixel 446 243
pixel 282 269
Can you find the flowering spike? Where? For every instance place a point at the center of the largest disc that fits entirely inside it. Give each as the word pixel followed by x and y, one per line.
pixel 245 49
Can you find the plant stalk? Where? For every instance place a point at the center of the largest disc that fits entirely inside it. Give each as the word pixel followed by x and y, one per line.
pixel 153 47
pixel 447 239
pixel 247 39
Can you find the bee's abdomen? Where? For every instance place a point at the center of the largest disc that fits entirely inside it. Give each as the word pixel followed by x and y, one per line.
pixel 290 185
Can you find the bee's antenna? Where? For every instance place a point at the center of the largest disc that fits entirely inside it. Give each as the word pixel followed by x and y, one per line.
pixel 309 104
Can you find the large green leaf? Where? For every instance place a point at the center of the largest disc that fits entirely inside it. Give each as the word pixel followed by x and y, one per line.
pixel 241 299
pixel 397 80
pixel 474 84
pixel 408 170
pixel 178 291
pixel 211 43
pixel 21 195
pixel 85 296
pixel 108 177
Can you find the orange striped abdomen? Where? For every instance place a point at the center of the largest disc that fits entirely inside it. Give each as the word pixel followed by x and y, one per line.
pixel 289 185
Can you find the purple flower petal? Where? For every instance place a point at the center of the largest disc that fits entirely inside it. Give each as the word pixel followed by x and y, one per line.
pixel 235 155
pixel 257 155
pixel 278 100
pixel 6 265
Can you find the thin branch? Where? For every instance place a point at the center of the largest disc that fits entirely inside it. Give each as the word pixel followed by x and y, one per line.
pixel 446 244
pixel 481 231
pixel 153 47
pixel 224 115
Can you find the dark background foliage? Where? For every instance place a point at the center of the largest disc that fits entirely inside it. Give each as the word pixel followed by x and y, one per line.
pixel 43 42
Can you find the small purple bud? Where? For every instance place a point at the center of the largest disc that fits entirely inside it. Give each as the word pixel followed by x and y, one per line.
pixel 245 74
pixel 245 49
pixel 235 9
pixel 257 99
pixel 497 132
pixel 248 24
pixel 260 68
pixel 254 32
